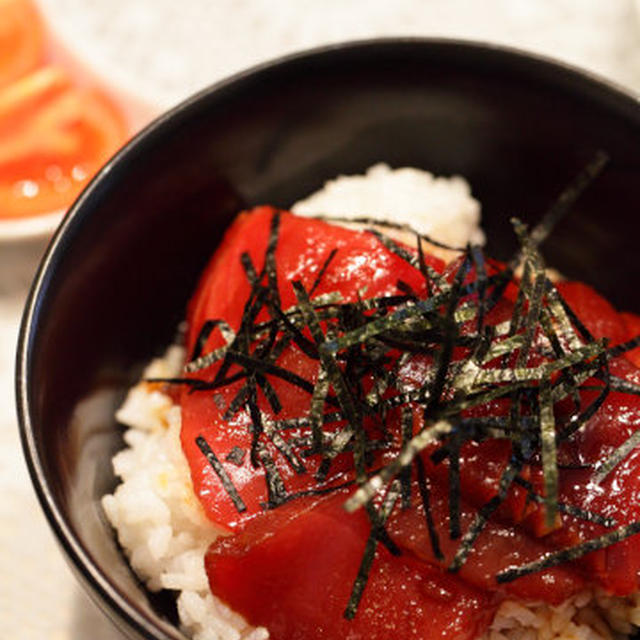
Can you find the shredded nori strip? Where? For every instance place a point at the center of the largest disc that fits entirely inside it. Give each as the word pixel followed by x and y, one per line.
pixel 556 308
pixel 270 257
pixel 624 347
pixel 553 559
pixel 398 249
pixel 568 197
pixel 256 425
pixel 579 325
pixel 362 578
pixel 206 331
pixel 285 448
pixel 405 475
pixel 428 435
pixel 263 366
pixel 454 487
pixel 270 393
pixel 336 378
pixel 306 346
pixel 323 270
pixel 624 386
pixel 227 484
pixel 236 456
pixel 378 222
pixel 316 411
pixel 577 420
pixel 425 496
pixel 569 509
pixel 376 327
pixel 276 491
pixel 422 264
pixel 483 515
pixel 477 256
pixel 606 466
pixel 548 450
pixel 206 360
pixel 368 556
pixel 339 384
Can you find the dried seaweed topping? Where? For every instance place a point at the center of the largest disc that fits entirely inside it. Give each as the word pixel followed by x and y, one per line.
pixel 425 497
pixel 553 559
pixel 604 467
pixel 568 197
pixel 227 484
pixel 548 449
pixel 236 456
pixel 542 355
pixel 569 509
pixel 485 512
pixel 377 531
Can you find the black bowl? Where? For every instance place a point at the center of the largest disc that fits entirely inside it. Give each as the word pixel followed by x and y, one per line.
pixel 114 283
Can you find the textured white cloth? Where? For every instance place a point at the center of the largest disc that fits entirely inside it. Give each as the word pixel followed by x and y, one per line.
pixel 39 598
pixel 162 50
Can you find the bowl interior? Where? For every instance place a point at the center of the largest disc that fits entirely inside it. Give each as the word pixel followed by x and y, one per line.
pixel 116 280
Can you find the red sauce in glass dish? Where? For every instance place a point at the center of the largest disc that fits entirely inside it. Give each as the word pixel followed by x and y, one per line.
pixel 56 130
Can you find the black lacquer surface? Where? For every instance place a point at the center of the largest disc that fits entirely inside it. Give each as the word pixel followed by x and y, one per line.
pixel 118 274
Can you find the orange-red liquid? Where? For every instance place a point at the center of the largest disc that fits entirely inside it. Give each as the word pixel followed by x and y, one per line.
pixel 57 124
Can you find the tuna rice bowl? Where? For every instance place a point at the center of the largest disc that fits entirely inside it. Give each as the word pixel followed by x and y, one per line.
pixel 370 428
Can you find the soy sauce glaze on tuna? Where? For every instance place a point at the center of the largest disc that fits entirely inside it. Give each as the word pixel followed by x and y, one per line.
pixel 396 444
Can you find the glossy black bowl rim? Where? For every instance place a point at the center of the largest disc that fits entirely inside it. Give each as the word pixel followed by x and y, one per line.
pixel 118 607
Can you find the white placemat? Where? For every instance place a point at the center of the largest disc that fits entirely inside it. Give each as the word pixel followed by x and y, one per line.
pixel 163 50
pixel 39 598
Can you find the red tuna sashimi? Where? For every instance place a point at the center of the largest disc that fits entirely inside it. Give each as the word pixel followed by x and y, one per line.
pixel 362 266
pixel 497 548
pixel 276 538
pixel 297 581
pixel 304 562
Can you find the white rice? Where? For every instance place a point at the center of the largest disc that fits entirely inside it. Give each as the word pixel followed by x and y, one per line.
pixel 441 208
pixel 590 615
pixel 158 519
pixel 160 523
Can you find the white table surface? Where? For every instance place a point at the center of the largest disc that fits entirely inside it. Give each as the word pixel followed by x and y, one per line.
pixel 39 599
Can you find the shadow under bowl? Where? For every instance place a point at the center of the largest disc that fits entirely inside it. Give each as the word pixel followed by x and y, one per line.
pixel 116 279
